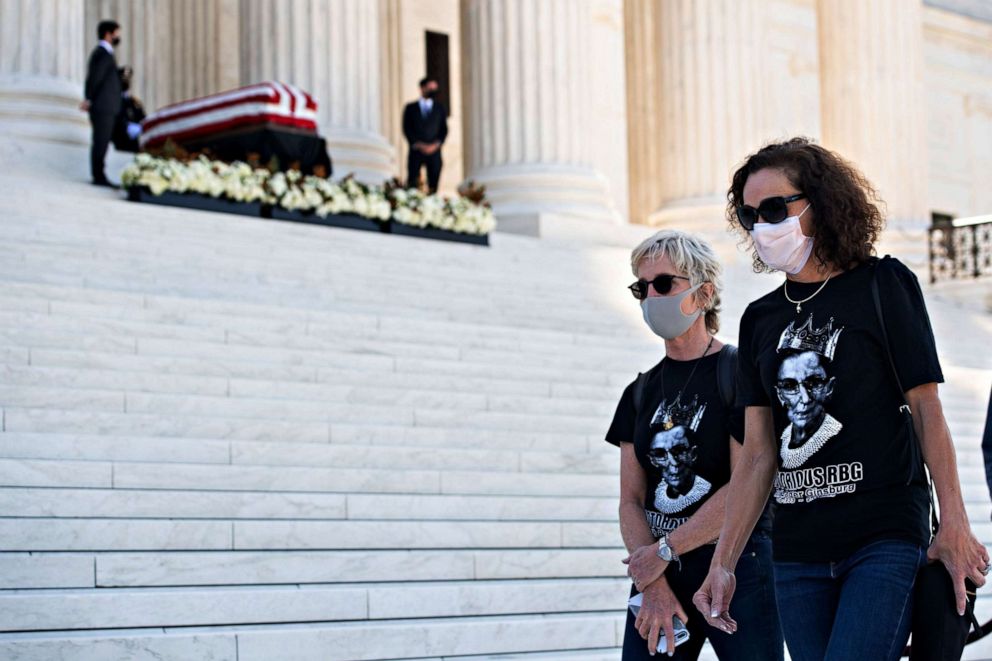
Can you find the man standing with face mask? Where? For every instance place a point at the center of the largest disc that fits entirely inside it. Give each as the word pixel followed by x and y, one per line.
pixel 425 125
pixel 103 97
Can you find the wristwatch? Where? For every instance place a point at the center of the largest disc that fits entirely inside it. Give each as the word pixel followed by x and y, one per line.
pixel 665 551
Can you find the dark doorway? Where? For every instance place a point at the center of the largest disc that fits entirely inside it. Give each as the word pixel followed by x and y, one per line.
pixel 437 66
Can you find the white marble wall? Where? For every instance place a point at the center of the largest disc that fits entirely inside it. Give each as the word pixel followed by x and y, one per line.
pixel 958 101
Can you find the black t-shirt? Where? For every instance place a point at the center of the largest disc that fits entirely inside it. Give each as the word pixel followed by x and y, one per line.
pixel 680 436
pixel 849 473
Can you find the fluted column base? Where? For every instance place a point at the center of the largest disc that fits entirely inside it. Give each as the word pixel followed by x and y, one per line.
pixel 697 214
pixel 522 196
pixel 367 155
pixel 42 108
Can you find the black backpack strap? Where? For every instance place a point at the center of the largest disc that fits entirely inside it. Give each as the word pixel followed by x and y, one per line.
pixel 639 392
pixel 726 374
pixel 876 297
pixel 916 450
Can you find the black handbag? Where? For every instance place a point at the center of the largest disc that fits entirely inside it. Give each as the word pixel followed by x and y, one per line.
pixel 938 632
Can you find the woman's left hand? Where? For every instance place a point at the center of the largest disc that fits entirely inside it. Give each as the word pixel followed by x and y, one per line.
pixel 963 556
pixel 644 566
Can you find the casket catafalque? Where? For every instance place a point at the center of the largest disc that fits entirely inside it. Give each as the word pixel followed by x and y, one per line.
pixel 268 104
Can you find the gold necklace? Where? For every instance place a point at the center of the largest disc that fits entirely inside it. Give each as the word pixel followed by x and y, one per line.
pixel 799 304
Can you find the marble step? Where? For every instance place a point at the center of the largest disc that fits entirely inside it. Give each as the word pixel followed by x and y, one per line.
pixel 503 365
pixel 221 477
pixel 41 357
pixel 12 321
pixel 423 291
pixel 422 305
pixel 280 250
pixel 58 502
pixel 350 641
pixel 221 417
pixel 379 329
pixel 15 445
pixel 93 534
pixel 288 376
pixel 45 330
pixel 119 608
pixel 501 306
pixel 350 445
pixel 423 436
pixel 66 569
pixel 226 477
pixel 17 396
pixel 68 424
pixel 178 375
pixel 140 504
pixel 603 654
pixel 505 412
pixel 190 504
pixel 134 447
pixel 387 323
pixel 529 288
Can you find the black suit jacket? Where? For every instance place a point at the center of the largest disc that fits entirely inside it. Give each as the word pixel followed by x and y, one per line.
pixel 103 83
pixel 417 128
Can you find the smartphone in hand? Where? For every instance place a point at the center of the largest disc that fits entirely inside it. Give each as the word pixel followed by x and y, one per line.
pixel 681 633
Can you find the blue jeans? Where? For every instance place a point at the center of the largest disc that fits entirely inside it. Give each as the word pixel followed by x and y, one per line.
pixel 759 636
pixel 858 608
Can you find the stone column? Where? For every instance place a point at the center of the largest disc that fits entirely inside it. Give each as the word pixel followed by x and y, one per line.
pixel 179 49
pixel 642 44
pixel 42 69
pixel 872 107
pixel 331 48
pixel 697 98
pixel 528 90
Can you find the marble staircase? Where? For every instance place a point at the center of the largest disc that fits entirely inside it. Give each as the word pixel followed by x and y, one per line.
pixel 225 438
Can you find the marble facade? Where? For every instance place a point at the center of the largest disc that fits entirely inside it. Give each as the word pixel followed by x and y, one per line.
pixel 600 112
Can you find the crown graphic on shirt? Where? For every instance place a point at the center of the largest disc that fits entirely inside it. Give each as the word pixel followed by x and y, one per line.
pixel 806 338
pixel 678 414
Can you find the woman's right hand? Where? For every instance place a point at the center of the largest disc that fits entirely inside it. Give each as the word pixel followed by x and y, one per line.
pixel 660 605
pixel 713 598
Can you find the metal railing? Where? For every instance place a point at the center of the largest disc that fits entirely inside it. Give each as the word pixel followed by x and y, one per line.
pixel 960 248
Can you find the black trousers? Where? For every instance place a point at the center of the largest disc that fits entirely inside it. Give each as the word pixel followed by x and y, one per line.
pixel 103 129
pixel 417 160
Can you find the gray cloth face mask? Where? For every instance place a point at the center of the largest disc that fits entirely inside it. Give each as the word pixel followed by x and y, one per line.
pixel 664 316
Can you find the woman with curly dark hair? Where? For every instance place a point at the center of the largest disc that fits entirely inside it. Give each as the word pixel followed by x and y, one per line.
pixel 825 424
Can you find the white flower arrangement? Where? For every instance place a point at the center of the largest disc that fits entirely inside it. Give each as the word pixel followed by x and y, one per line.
pixel 295 191
pixel 235 181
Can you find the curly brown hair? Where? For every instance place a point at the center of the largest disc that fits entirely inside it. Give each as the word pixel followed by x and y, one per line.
pixel 847 207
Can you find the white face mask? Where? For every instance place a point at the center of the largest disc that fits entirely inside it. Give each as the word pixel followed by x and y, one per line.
pixel 664 316
pixel 783 246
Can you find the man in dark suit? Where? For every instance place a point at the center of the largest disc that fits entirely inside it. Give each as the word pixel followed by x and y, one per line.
pixel 425 125
pixel 103 97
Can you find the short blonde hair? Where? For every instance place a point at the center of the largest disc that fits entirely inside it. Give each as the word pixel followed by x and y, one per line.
pixel 690 255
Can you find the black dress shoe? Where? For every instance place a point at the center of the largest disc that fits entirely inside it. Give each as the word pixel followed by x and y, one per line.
pixel 107 183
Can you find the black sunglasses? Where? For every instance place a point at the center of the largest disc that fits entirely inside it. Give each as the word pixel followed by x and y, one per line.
pixel 772 209
pixel 661 283
pixel 812 384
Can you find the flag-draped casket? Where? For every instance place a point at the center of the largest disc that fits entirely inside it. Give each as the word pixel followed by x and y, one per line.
pixel 266 119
